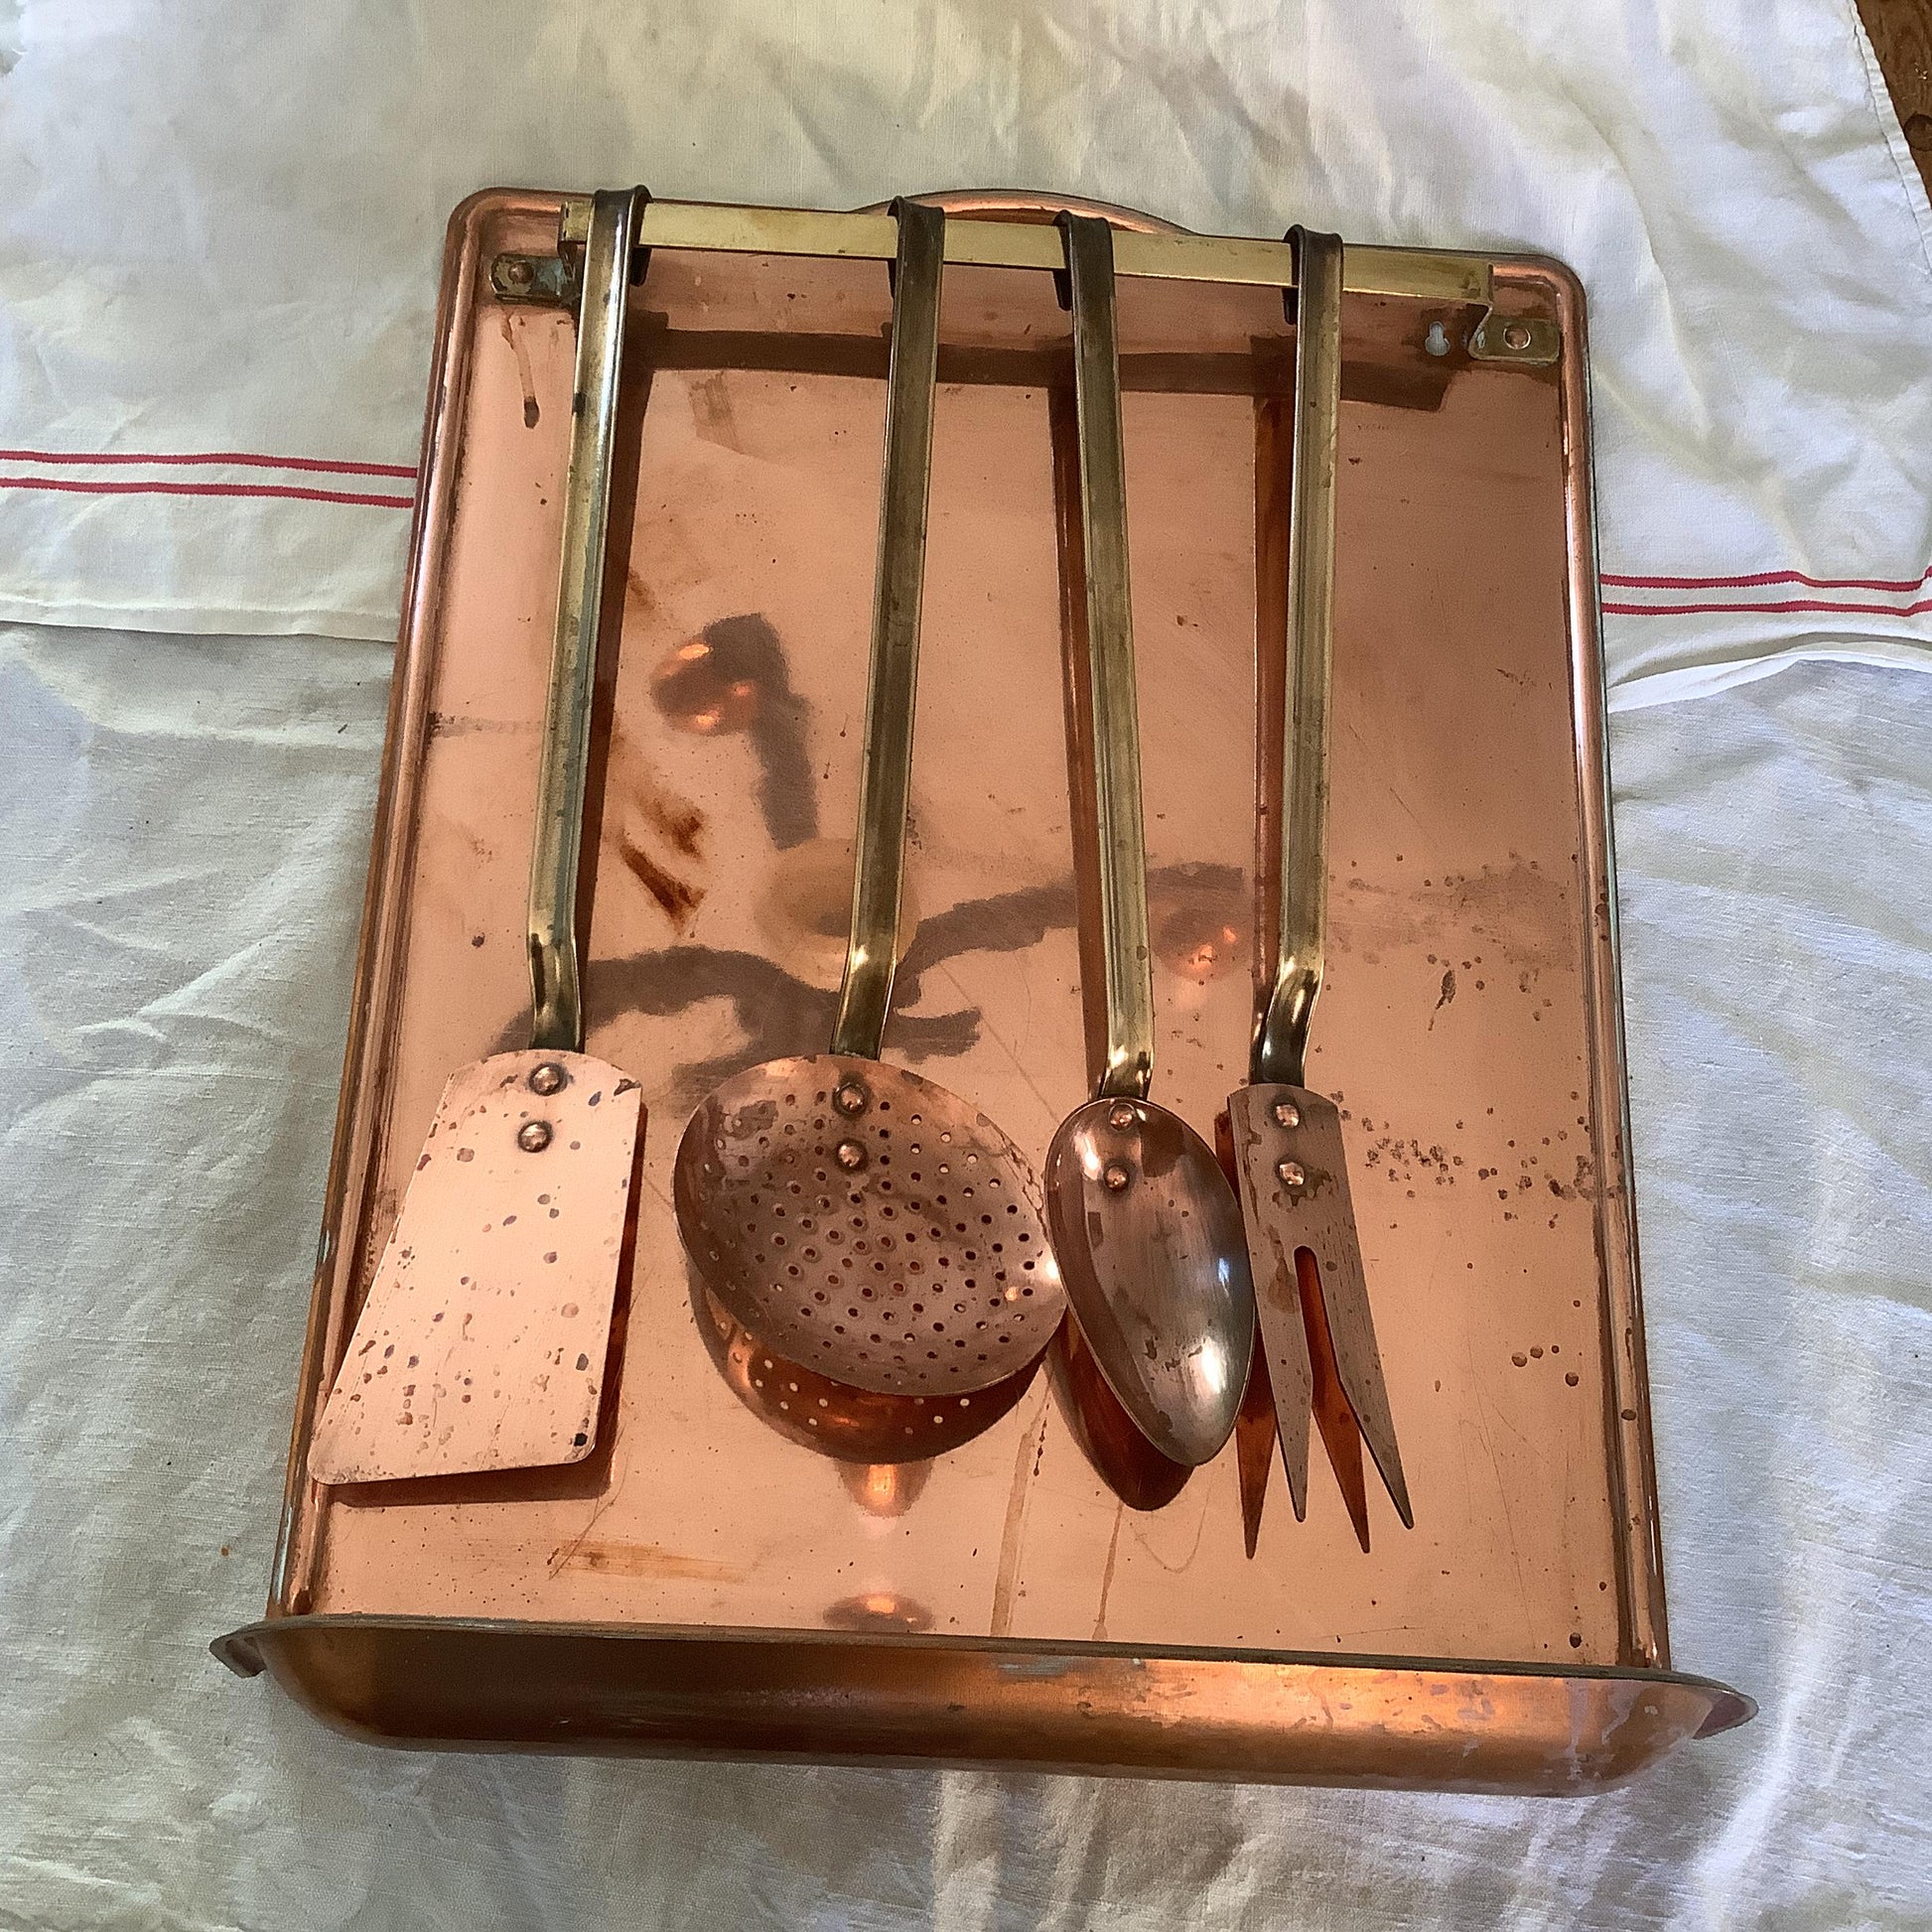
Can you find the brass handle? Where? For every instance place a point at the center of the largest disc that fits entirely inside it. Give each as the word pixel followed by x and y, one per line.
pixel 1129 1069
pixel 556 994
pixel 1281 1032
pixel 886 778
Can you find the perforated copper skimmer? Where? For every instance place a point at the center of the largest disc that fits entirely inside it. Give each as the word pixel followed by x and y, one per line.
pixel 857 1219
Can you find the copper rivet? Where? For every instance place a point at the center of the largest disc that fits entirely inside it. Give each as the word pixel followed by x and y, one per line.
pixel 1115 1175
pixel 518 274
pixel 1290 1172
pixel 533 1135
pixel 547 1078
pixel 851 1156
pixel 1516 335
pixel 1121 1116
pixel 1287 1114
pixel 851 1098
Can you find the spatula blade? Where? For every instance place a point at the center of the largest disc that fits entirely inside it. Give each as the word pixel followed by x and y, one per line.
pixel 482 1343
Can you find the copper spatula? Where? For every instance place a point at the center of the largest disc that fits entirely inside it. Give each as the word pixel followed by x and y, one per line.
pixel 1310 1293
pixel 482 1343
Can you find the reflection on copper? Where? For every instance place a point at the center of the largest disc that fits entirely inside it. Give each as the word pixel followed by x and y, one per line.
pixel 1198 931
pixel 854 1424
pixel 1335 1415
pixel 1125 1460
pixel 1296 1718
pixel 884 1488
pixel 879 1610
pixel 804 911
pixel 699 690
pixel 735 676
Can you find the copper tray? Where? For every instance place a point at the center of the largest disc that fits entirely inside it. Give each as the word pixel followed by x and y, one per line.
pixel 706 1584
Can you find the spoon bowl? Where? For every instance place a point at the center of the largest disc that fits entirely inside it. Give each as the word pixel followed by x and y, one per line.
pixel 1144 1223
pixel 1155 1265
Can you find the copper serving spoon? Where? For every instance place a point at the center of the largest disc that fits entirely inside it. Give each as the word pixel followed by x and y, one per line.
pixel 1145 1227
pixel 858 1220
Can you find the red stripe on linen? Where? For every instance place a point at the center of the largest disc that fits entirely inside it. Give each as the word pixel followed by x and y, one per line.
pixel 292 490
pixel 237 459
pixel 1766 577
pixel 1778 609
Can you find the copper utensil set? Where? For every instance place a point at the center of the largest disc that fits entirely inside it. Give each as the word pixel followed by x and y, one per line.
pixel 852 1221
pixel 738 1444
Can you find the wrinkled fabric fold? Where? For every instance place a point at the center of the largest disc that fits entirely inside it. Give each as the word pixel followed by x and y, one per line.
pixel 177 931
pixel 221 231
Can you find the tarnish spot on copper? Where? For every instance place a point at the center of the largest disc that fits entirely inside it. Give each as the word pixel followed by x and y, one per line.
pixel 646 1560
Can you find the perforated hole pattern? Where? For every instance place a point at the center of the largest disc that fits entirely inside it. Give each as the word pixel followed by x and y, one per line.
pixel 925 1270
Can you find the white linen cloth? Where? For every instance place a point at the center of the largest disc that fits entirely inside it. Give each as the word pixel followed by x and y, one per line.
pixel 221 224
pixel 219 238
pixel 188 817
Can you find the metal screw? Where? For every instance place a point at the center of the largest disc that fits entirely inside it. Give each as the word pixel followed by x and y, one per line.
pixel 518 274
pixel 851 1098
pixel 1290 1172
pixel 850 1156
pixel 1115 1175
pixel 1516 335
pixel 1121 1116
pixel 1287 1114
pixel 533 1135
pixel 548 1078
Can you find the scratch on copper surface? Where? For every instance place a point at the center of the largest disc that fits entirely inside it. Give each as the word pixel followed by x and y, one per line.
pixel 1502 1490
pixel 646 1560
pixel 679 821
pixel 1107 1576
pixel 513 335
pixel 1373 763
pixel 1026 1462
pixel 560 1558
pixel 986 1027
pixel 1187 1562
